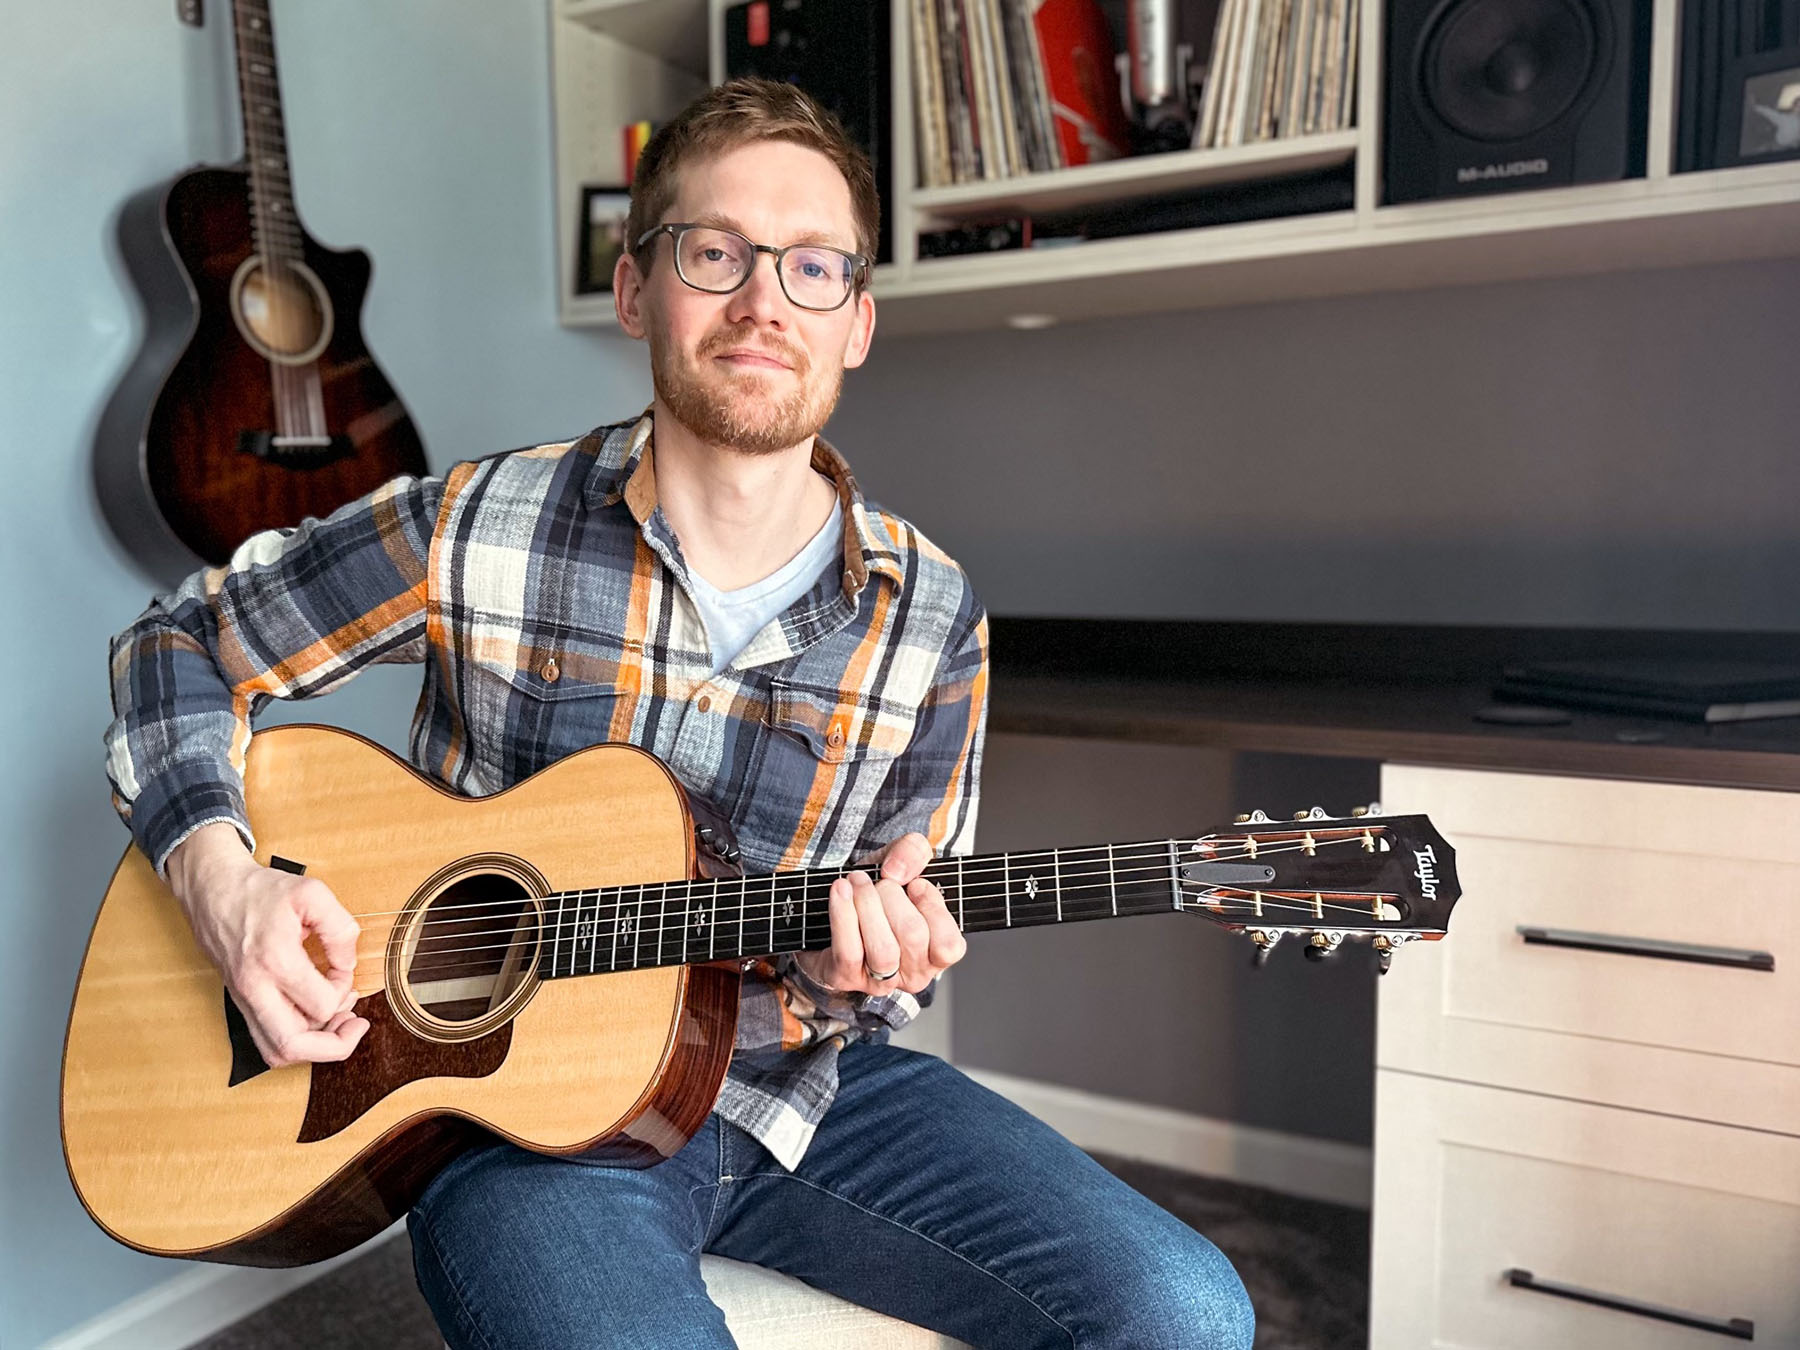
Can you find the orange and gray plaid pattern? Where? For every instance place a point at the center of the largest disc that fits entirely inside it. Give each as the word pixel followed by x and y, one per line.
pixel 548 601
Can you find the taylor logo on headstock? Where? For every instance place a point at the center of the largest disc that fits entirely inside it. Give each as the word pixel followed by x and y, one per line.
pixel 1426 871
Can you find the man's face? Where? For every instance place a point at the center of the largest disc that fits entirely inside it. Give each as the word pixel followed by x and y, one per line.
pixel 751 370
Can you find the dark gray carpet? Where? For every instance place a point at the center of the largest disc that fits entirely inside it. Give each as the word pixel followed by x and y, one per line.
pixel 1305 1264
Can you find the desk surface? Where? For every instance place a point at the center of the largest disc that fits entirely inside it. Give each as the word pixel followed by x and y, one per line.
pixel 1403 694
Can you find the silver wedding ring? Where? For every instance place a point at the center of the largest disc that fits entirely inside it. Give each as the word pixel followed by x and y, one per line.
pixel 879 975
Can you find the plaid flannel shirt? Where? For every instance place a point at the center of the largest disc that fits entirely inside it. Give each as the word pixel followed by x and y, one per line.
pixel 547 598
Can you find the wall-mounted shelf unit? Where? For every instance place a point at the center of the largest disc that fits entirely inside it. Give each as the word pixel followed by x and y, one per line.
pixel 618 60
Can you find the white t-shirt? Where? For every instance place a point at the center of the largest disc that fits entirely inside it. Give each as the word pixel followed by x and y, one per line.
pixel 732 618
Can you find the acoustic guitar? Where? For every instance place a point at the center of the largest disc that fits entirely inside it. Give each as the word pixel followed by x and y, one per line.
pixel 556 965
pixel 253 401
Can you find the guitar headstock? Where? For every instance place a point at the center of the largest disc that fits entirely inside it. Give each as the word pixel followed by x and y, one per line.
pixel 1326 879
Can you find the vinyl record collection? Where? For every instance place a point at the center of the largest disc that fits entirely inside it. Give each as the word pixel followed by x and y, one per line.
pixel 1004 87
pixel 1279 68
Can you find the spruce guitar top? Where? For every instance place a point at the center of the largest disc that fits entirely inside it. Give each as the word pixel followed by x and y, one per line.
pixel 557 965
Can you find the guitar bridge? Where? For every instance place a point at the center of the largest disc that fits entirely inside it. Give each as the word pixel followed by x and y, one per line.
pixel 295 452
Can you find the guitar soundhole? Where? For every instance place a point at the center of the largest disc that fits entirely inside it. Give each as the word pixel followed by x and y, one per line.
pixel 282 310
pixel 470 954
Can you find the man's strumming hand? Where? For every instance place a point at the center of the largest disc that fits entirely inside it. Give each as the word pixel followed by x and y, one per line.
pixel 253 923
pixel 890 920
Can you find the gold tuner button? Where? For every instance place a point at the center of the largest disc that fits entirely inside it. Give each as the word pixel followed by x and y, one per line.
pixel 1358 812
pixel 1244 819
pixel 1303 815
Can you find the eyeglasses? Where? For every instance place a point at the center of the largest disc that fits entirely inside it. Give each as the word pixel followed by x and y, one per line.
pixel 813 276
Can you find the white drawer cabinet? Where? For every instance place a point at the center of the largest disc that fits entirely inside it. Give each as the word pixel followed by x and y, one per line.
pixel 1473 1182
pixel 1596 1077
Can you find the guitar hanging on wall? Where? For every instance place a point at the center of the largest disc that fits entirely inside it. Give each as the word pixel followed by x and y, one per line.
pixel 557 965
pixel 253 402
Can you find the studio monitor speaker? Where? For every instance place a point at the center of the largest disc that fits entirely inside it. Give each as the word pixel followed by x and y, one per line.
pixel 1501 95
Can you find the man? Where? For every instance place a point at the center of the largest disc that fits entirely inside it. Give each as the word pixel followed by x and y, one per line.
pixel 708 583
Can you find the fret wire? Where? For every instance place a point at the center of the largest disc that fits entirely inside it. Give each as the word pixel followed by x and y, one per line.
pixel 783 934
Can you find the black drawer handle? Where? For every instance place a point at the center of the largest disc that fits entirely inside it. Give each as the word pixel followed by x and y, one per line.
pixel 1735 957
pixel 1738 1328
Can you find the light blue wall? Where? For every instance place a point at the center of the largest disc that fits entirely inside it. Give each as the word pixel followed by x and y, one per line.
pixel 420 131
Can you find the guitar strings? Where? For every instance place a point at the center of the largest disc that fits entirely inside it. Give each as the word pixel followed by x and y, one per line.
pixel 1155 860
pixel 612 900
pixel 763 907
pixel 1278 899
pixel 657 945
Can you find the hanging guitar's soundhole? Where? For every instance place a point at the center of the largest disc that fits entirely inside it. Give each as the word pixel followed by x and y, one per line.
pixel 463 958
pixel 281 310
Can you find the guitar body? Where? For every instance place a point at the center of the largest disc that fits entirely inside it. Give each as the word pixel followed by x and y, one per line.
pixel 181 1143
pixel 189 457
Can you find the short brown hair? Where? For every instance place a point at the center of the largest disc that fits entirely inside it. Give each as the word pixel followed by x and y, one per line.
pixel 737 113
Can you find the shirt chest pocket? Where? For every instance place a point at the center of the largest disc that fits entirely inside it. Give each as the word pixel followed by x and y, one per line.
pixel 523 716
pixel 823 756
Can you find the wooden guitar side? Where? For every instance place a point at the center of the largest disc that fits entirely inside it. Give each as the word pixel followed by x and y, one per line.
pixel 170 1158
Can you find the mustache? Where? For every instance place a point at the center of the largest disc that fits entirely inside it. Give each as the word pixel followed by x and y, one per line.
pixel 726 340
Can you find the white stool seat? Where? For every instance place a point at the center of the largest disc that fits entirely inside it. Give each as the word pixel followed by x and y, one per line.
pixel 767 1310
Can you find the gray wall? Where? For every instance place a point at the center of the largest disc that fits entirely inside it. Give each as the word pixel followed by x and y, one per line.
pixel 1615 450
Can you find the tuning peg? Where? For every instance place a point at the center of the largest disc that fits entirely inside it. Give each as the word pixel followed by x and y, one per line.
pixel 1384 955
pixel 1316 813
pixel 1259 818
pixel 1322 945
pixel 1262 942
pixel 1243 819
pixel 1358 812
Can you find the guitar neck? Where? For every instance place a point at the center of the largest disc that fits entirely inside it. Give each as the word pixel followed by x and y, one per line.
pixel 729 918
pixel 274 228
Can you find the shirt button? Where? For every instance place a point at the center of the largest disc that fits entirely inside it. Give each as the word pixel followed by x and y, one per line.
pixel 550 671
pixel 836 738
pixel 705 703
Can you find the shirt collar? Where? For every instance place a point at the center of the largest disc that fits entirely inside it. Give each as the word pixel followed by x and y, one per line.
pixel 624 470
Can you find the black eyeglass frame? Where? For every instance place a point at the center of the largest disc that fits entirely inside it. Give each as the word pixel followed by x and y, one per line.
pixel 859 276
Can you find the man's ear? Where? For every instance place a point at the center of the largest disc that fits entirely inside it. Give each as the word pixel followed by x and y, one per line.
pixel 862 331
pixel 628 293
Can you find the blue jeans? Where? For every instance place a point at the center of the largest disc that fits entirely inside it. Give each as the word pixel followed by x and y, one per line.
pixel 923 1195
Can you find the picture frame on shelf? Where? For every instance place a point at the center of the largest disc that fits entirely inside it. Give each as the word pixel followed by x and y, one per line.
pixel 599 236
pixel 1760 109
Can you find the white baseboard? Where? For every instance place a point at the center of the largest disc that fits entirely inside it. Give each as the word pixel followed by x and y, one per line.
pixel 191 1306
pixel 1294 1164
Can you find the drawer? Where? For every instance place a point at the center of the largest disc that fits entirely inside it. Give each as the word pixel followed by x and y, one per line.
pixel 1651 868
pixel 1474 1182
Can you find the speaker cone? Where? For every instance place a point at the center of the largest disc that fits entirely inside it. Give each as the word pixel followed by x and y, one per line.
pixel 1505 70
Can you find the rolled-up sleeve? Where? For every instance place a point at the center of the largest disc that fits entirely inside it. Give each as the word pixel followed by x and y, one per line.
pixel 295 613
